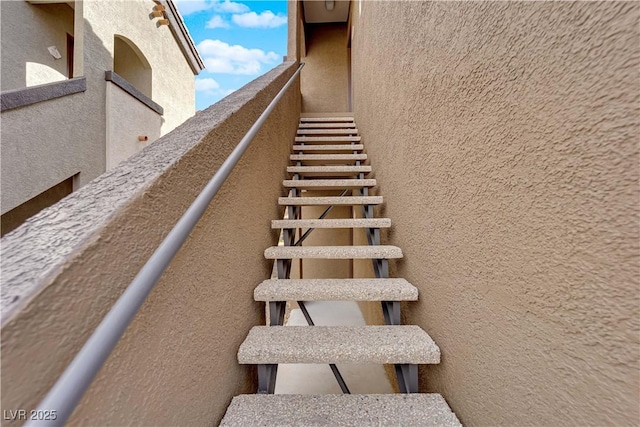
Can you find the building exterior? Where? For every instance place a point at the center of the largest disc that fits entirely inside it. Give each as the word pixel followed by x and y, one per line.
pixel 505 141
pixel 85 85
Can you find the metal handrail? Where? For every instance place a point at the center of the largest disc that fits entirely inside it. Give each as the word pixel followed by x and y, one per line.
pixel 66 393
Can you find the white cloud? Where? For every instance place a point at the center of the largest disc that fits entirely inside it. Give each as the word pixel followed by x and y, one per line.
pixel 206 84
pixel 220 57
pixel 210 89
pixel 187 7
pixel 216 21
pixel 264 20
pixel 227 6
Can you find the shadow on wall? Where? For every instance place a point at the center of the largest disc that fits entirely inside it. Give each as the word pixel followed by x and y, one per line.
pixel 325 75
pixel 76 152
pixel 177 362
pixel 130 63
pixel 43 52
pixel 32 171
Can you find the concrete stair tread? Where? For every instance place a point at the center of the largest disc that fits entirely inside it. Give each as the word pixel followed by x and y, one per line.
pixel 407 344
pixel 326 119
pixel 335 290
pixel 344 131
pixel 334 252
pixel 329 147
pixel 328 157
pixel 340 410
pixel 328 139
pixel 332 223
pixel 328 170
pixel 326 125
pixel 328 184
pixel 330 200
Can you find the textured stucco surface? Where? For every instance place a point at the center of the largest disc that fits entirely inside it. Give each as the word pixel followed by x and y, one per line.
pixel 27 32
pixel 26 96
pixel 295 30
pixel 30 167
pixel 173 85
pixel 504 138
pixel 45 143
pixel 122 132
pixel 15 217
pixel 324 76
pixel 63 269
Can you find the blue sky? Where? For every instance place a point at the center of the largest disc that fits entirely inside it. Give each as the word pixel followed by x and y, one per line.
pixel 238 42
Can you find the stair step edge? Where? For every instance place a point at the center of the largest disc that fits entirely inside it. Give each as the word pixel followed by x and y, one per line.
pixel 320 201
pixel 340 410
pixel 406 344
pixel 328 138
pixel 335 290
pixel 329 183
pixel 327 119
pixel 328 156
pixel 332 223
pixel 329 147
pixel 333 252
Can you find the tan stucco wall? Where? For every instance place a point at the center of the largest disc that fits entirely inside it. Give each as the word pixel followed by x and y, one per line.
pixel 64 268
pixel 45 143
pixel 132 65
pixel 324 76
pixel 295 30
pixel 504 137
pixel 173 84
pixel 122 132
pixel 27 31
pixel 29 166
pixel 15 217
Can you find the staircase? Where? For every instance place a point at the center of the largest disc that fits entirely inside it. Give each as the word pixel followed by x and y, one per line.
pixel 328 156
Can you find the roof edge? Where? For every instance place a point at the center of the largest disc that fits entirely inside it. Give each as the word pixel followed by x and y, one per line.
pixel 182 36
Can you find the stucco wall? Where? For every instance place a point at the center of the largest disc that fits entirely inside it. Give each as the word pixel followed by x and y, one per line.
pixel 64 268
pixel 324 76
pixel 40 149
pixel 504 137
pixel 132 66
pixel 45 143
pixel 15 217
pixel 173 83
pixel 122 132
pixel 27 32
